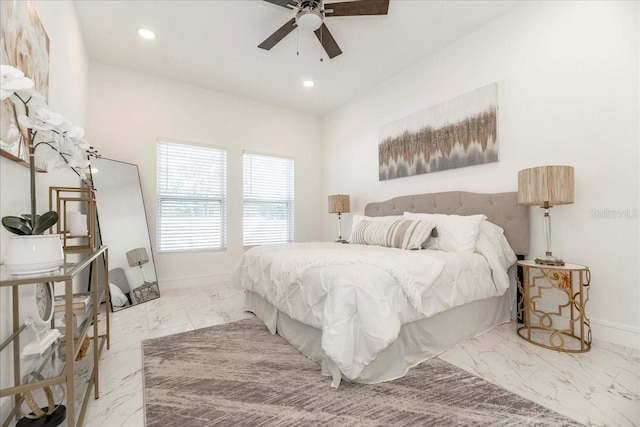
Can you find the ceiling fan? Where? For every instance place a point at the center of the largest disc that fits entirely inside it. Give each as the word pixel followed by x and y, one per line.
pixel 310 14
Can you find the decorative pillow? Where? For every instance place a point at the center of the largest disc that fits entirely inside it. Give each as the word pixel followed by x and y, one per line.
pixel 401 233
pixel 355 220
pixel 118 298
pixel 456 233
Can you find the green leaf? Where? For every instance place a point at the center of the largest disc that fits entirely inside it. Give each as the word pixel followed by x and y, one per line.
pixel 28 218
pixel 45 221
pixel 17 225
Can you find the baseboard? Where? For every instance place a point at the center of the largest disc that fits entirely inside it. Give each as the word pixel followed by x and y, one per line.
pixel 188 281
pixel 602 330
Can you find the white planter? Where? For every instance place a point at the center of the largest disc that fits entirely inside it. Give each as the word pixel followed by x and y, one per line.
pixel 34 254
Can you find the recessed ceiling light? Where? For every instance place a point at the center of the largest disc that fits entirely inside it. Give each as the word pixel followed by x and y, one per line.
pixel 308 83
pixel 146 34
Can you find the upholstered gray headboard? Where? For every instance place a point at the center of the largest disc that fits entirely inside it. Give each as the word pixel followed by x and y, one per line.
pixel 118 278
pixel 500 208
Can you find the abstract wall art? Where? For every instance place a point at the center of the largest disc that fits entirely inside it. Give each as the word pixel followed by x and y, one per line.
pixel 25 45
pixel 457 133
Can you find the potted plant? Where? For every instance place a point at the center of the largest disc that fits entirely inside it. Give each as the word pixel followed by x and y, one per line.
pixel 57 143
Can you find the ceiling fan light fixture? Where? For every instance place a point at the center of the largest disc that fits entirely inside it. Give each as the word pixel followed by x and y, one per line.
pixel 308 19
pixel 308 83
pixel 310 15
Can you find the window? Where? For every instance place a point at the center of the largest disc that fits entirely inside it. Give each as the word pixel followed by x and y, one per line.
pixel 191 197
pixel 268 199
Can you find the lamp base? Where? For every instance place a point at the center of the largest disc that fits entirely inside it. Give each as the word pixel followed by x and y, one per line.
pixel 341 241
pixel 549 260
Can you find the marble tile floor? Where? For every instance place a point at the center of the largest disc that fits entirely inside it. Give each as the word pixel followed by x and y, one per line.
pixel 601 387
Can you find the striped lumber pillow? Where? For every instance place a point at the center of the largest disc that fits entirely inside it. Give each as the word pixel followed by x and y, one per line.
pixel 402 233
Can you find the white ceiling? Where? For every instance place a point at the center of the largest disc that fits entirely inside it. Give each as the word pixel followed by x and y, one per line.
pixel 213 44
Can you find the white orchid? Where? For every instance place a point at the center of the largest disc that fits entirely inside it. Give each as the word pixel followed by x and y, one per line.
pixel 12 80
pixel 43 120
pixel 67 149
pixel 60 140
pixel 13 134
pixel 51 139
pixel 76 133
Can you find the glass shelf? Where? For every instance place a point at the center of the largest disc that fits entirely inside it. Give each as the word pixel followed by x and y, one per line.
pixel 65 272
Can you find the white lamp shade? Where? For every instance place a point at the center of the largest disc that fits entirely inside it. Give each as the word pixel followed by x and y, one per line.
pixel 553 185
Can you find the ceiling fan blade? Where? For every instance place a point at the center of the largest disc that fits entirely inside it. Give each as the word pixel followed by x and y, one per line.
pixel 280 33
pixel 328 42
pixel 358 7
pixel 289 4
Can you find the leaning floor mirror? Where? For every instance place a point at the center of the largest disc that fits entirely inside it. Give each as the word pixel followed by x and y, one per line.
pixel 122 225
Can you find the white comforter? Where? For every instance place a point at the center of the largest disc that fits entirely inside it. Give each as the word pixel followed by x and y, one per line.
pixel 359 296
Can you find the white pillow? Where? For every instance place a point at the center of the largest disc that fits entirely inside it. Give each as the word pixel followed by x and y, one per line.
pixel 456 233
pixel 493 245
pixel 402 233
pixel 355 220
pixel 491 238
pixel 118 298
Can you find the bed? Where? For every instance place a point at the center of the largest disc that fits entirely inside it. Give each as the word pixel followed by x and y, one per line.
pixel 368 313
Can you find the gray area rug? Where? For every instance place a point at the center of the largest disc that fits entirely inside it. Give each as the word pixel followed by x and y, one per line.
pixel 238 374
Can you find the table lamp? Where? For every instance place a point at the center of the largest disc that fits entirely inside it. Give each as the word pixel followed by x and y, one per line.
pixel 137 257
pixel 339 203
pixel 546 186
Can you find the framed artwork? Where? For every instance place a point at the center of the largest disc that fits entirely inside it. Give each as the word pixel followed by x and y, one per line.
pixel 25 45
pixel 460 132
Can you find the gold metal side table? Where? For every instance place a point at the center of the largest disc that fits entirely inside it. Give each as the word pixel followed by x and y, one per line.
pixel 553 306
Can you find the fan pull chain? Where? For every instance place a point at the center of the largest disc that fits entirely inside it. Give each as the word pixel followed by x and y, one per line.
pixel 297 41
pixel 321 45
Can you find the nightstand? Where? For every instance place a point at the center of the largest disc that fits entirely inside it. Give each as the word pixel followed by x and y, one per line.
pixel 553 306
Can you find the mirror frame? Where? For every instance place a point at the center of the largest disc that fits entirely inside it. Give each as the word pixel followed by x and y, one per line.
pixel 105 264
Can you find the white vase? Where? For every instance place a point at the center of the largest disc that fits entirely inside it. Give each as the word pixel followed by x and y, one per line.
pixel 34 254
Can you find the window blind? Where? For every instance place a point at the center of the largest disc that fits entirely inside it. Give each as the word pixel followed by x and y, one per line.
pixel 268 199
pixel 191 197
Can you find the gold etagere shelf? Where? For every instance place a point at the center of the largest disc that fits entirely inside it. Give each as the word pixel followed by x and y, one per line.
pixel 57 364
pixel 60 359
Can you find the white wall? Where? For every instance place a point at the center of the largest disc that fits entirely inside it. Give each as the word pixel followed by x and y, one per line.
pixel 129 111
pixel 68 67
pixel 568 94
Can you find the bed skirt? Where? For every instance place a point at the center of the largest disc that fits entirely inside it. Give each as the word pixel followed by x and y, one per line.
pixel 417 341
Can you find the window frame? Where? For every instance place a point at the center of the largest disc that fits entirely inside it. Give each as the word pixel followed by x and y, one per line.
pixel 289 202
pixel 222 200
